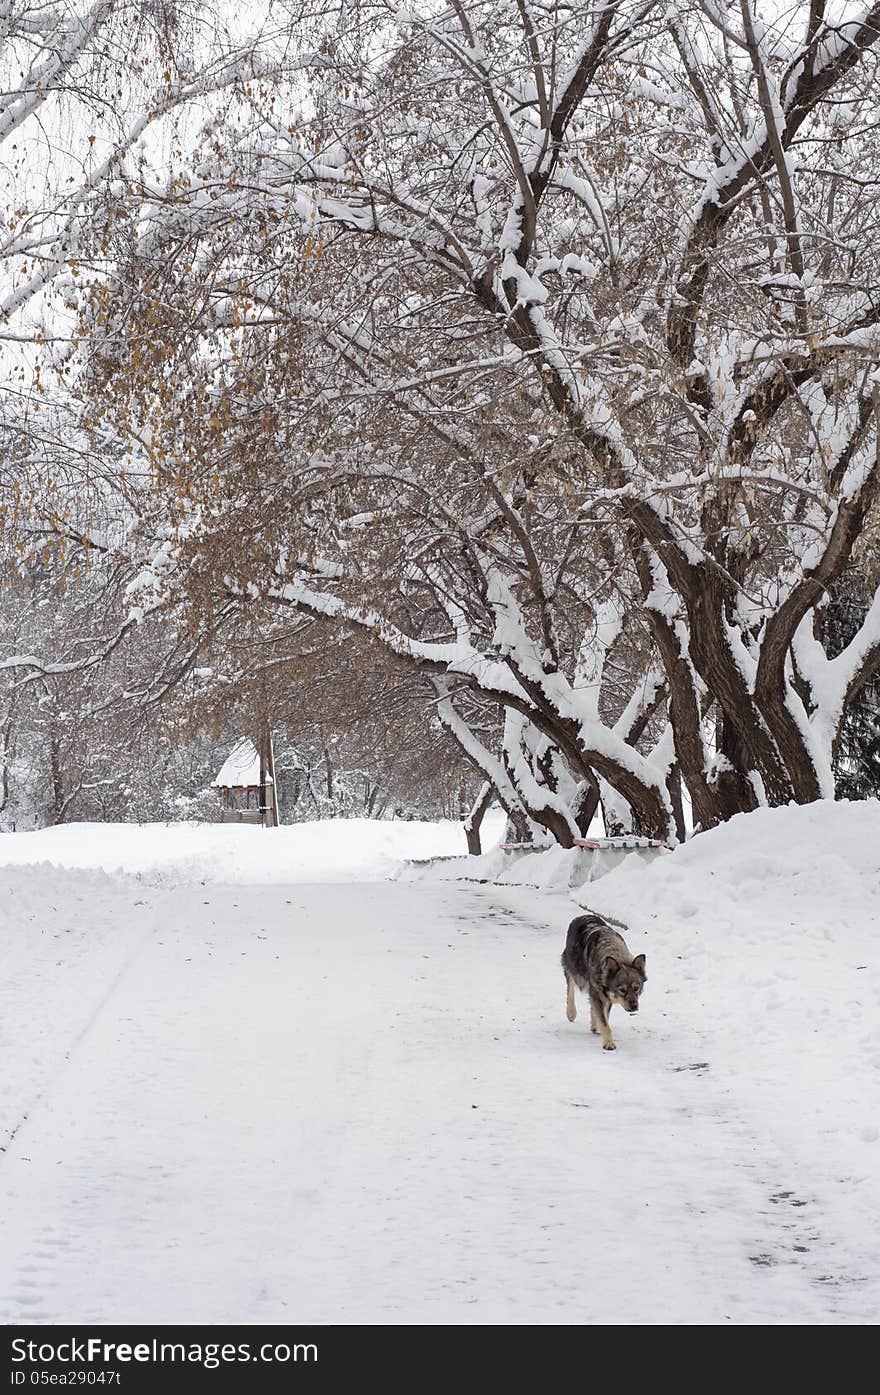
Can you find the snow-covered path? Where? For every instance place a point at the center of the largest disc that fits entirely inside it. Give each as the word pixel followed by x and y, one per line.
pixel 363 1103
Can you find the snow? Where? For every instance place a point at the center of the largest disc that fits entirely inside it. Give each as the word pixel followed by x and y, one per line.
pixel 360 1101
pixel 328 850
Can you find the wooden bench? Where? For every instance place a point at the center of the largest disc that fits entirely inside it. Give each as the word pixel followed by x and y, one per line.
pixel 615 844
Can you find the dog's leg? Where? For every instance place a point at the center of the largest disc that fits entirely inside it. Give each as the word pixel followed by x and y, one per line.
pixel 594 1017
pixel 571 1011
pixel 601 1011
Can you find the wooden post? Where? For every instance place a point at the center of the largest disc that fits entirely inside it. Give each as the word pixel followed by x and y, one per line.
pixel 268 810
pixel 263 820
pixel 270 763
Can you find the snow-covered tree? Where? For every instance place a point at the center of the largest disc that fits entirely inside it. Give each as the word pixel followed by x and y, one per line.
pixel 659 216
pixel 96 96
pixel 538 342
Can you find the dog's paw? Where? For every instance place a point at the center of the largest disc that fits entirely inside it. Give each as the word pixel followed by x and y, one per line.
pixel 571 1015
pixel 609 1046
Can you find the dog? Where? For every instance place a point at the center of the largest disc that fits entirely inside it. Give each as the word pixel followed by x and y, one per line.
pixel 597 961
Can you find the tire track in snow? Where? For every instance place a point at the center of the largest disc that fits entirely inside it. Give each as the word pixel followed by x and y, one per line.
pixel 27 1303
pixel 55 1074
pixel 175 1119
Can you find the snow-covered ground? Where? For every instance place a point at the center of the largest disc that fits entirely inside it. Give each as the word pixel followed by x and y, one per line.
pixel 352 1100
pixel 339 850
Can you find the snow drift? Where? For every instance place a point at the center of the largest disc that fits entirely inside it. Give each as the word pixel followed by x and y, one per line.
pixel 329 850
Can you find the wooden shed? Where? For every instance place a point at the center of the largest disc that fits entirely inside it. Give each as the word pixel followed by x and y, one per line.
pixel 246 785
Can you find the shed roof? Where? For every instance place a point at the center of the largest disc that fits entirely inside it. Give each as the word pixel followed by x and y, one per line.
pixel 241 767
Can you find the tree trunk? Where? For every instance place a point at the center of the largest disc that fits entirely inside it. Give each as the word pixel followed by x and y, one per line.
pixel 587 807
pixel 58 800
pixel 475 818
pixel 673 784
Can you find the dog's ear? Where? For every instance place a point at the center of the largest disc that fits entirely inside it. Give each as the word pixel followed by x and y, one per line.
pixel 611 967
pixel 639 963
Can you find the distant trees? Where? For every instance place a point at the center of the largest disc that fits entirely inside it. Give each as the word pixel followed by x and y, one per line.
pixel 141 733
pixel 538 345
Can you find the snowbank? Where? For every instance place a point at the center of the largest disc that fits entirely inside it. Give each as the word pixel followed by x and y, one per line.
pixel 333 850
pixel 824 849
pixel 794 866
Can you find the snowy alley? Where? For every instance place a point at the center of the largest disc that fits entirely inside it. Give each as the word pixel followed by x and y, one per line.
pixel 362 1102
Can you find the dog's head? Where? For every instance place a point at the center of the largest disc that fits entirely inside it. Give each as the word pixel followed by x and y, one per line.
pixel 624 982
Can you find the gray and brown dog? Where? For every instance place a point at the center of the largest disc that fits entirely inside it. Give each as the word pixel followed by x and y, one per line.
pixel 597 961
